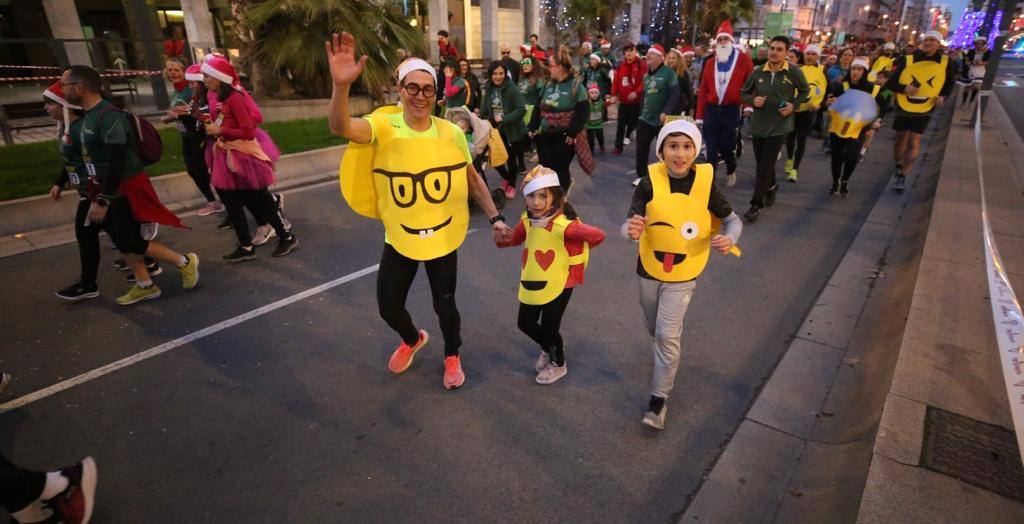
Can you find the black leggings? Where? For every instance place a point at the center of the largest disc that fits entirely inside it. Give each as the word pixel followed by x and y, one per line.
pixel 516 164
pixel 88 237
pixel 19 487
pixel 645 134
pixel 556 154
pixel 796 141
pixel 595 135
pixel 262 206
pixel 845 155
pixel 393 282
pixel 195 163
pixel 629 115
pixel 542 324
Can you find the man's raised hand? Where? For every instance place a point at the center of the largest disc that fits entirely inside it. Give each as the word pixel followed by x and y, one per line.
pixel 342 59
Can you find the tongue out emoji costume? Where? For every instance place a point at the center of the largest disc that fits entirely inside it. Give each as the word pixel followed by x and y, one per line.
pixel 681 214
pixel 554 258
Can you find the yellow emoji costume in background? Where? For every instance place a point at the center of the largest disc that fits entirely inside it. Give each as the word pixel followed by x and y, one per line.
pixel 929 76
pixel 546 262
pixel 676 240
pixel 417 187
pixel 816 80
pixel 847 125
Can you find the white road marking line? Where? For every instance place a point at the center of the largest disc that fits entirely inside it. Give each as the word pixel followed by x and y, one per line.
pixel 178 342
pixel 191 337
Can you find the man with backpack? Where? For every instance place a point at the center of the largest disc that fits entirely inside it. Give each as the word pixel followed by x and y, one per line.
pixel 113 145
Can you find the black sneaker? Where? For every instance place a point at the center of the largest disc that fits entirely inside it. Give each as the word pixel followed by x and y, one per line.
pixel 153 268
pixel 121 265
pixel 901 183
pixel 285 245
pixel 226 224
pixel 834 188
pixel 844 190
pixel 75 503
pixel 77 292
pixel 752 214
pixel 240 254
pixel 769 199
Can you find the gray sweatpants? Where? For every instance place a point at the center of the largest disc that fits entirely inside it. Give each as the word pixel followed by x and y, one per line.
pixel 664 305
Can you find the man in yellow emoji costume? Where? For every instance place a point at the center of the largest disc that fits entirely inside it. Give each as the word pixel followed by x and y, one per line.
pixel 675 215
pixel 921 81
pixel 414 173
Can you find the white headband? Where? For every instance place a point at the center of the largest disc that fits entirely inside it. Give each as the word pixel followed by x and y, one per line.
pixel 933 34
pixel 860 62
pixel 415 64
pixel 542 181
pixel 813 48
pixel 678 126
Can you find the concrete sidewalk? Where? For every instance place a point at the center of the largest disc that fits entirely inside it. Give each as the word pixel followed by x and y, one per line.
pixel 945 449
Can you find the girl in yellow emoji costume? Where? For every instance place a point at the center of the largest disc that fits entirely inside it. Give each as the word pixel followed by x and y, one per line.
pixel 414 173
pixel 675 216
pixel 555 257
pixel 848 129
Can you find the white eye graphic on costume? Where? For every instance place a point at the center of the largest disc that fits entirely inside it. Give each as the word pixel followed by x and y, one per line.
pixel 689 231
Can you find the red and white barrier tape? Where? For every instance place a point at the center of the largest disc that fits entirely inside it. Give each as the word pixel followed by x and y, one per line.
pixel 1006 311
pixel 117 74
pixel 29 67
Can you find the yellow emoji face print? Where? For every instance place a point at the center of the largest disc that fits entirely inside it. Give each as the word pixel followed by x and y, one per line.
pixel 929 78
pixel 675 243
pixel 546 262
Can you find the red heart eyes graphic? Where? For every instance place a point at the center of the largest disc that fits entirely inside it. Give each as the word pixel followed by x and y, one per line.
pixel 544 258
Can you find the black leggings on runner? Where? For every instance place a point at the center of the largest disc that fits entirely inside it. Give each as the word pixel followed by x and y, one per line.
pixel 195 163
pixel 845 155
pixel 553 152
pixel 796 141
pixel 393 282
pixel 542 324
pixel 516 163
pixel 262 206
pixel 19 487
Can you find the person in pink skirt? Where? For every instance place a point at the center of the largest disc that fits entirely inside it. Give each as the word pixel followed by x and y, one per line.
pixel 241 169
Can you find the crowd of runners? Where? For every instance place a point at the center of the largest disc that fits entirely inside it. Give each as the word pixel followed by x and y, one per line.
pixel 416 165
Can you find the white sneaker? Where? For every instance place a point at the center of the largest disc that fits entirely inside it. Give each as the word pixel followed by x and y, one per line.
pixel 211 208
pixel 263 235
pixel 730 180
pixel 656 421
pixel 551 374
pixel 542 361
pixel 636 181
pixel 625 141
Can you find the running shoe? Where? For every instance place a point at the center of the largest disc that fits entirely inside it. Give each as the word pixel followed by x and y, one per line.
pixel 224 225
pixel 154 270
pixel 792 176
pixel 625 141
pixel 617 151
pixel 789 165
pixel 752 214
pixel 5 381
pixel 901 183
pixel 121 265
pixel 453 375
pixel 552 374
pixel 74 504
pixel 138 294
pixel 401 359
pixel 211 208
pixel 77 292
pixel 542 361
pixel 285 245
pixel 730 180
pixel 844 189
pixel 240 254
pixel 655 415
pixel 263 235
pixel 769 199
pixel 834 188
pixel 636 181
pixel 190 271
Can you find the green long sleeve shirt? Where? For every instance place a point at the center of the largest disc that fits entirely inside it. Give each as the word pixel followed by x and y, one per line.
pixel 787 85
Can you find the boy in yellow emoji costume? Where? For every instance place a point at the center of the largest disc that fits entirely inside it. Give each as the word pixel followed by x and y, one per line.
pixel 555 257
pixel 413 172
pixel 675 215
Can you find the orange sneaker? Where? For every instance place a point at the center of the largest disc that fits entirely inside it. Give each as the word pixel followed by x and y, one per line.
pixel 453 375
pixel 401 359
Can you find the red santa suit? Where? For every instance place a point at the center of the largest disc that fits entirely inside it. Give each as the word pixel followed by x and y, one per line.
pixel 718 101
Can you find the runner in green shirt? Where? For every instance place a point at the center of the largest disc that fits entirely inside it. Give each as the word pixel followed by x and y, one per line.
pixel 661 94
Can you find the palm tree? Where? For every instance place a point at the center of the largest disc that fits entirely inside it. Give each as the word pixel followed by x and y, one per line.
pixel 716 11
pixel 289 35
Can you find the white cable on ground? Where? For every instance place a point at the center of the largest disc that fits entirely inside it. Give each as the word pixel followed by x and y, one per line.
pixel 1006 310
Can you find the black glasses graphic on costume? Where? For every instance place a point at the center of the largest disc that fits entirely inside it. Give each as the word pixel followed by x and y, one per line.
pixel 435 183
pixel 415 89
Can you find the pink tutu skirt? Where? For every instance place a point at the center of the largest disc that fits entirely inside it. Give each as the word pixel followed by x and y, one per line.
pixel 267 145
pixel 249 173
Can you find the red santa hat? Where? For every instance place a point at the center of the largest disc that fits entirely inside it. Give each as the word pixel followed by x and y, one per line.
pixel 687 51
pixel 677 50
pixel 605 44
pixel 525 48
pixel 725 30
pixel 194 73
pixel 220 68
pixel 657 49
pixel 54 93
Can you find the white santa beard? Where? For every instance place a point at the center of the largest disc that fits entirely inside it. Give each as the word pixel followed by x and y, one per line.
pixel 724 52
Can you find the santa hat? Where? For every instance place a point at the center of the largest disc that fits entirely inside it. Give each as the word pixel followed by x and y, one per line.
pixel 56 94
pixel 725 30
pixel 593 87
pixel 657 49
pixel 194 73
pixel 525 47
pixel 678 126
pixel 595 56
pixel 221 69
pixel 687 51
pixel 813 48
pixel 605 44
pixel 889 45
pixel 860 62
pixel 933 34
pixel 539 177
pixel 677 50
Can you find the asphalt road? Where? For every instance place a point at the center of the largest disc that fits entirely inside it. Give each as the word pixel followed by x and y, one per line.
pixel 1009 87
pixel 293 415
